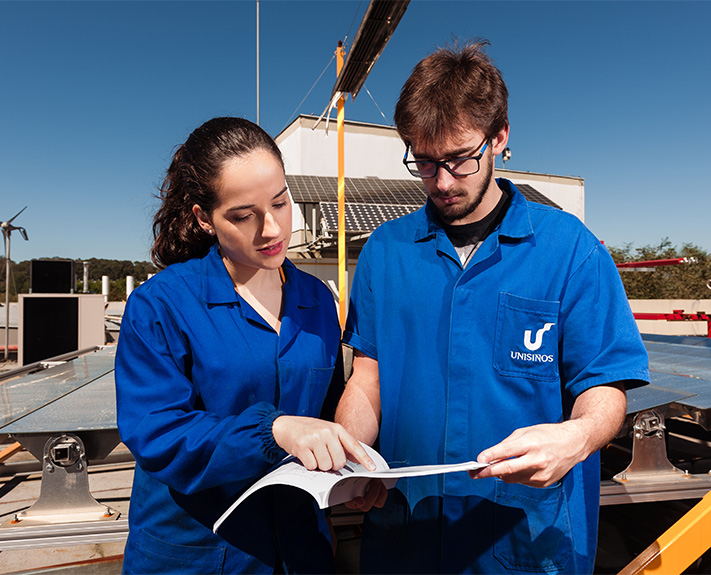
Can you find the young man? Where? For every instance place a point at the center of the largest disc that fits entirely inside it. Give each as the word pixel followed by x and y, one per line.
pixel 484 327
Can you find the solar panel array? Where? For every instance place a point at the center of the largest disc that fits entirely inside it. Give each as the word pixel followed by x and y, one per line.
pixel 317 189
pixel 372 201
pixel 362 217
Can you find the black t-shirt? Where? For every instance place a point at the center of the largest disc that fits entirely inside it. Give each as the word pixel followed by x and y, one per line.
pixel 466 238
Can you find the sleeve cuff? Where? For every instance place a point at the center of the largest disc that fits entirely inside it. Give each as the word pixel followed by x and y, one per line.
pixel 269 444
pixel 355 341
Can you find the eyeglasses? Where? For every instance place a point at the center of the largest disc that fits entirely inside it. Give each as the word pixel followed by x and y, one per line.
pixel 457 166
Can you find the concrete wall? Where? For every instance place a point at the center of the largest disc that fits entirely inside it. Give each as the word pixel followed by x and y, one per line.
pixel 662 327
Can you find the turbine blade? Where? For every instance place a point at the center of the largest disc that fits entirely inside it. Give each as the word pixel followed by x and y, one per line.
pixel 17 214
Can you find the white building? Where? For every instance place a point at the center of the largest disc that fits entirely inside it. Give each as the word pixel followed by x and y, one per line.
pixel 378 187
pixel 375 174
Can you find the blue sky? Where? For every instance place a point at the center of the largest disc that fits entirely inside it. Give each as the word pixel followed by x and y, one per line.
pixel 95 96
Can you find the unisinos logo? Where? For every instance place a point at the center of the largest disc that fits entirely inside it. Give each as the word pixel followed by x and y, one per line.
pixel 539 337
pixel 534 346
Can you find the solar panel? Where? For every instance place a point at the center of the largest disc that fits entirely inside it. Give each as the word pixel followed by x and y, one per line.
pixel 362 217
pixel 87 408
pixel 690 340
pixel 679 373
pixel 651 396
pixel 30 393
pixel 311 189
pixel 318 189
pixel 379 22
pixel 698 390
pixel 533 195
pixel 679 359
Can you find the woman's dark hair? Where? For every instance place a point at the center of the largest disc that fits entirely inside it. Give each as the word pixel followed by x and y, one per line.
pixel 191 179
pixel 450 90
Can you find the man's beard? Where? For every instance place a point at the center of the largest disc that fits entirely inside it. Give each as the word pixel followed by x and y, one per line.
pixel 451 214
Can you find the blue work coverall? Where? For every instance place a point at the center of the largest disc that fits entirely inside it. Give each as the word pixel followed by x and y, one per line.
pixel 465 357
pixel 200 377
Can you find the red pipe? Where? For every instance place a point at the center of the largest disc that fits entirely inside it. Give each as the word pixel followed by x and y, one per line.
pixel 653 263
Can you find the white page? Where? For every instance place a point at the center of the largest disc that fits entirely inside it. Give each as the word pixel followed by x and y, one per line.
pixel 334 487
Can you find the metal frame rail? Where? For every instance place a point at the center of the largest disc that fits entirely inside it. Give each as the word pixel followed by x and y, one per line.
pixel 65 534
pixel 46 363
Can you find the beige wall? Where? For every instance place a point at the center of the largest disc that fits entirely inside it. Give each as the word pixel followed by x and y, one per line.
pixel 326 269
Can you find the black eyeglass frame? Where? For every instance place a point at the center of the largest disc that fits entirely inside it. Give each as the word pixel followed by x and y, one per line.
pixel 444 163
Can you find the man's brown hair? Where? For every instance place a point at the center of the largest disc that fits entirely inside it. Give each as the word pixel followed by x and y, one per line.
pixel 452 89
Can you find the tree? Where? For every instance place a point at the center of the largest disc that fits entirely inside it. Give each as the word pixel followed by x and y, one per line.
pixel 19 279
pixel 685 281
pixel 117 270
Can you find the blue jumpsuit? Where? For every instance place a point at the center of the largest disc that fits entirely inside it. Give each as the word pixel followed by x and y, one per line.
pixel 200 377
pixel 465 357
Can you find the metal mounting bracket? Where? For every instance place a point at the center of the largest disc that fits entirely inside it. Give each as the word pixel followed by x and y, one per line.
pixel 64 492
pixel 649 453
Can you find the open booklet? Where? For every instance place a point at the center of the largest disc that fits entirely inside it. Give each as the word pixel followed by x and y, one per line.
pixel 334 487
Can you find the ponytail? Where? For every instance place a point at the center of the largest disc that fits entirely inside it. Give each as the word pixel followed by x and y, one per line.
pixel 178 236
pixel 192 180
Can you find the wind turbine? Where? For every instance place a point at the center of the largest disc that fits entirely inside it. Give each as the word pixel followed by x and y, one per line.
pixel 7 229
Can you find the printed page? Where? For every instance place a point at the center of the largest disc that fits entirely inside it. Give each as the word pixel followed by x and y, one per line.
pixel 355 484
pixel 334 487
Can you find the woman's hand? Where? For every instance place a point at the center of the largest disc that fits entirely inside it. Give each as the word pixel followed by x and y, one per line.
pixel 319 444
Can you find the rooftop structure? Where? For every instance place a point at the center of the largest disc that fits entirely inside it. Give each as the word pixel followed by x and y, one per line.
pixel 378 186
pixel 65 415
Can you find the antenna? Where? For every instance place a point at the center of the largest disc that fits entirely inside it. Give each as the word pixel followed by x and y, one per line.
pixel 7 229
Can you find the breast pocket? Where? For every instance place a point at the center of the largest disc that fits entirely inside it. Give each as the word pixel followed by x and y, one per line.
pixel 302 389
pixel 527 338
pixel 319 380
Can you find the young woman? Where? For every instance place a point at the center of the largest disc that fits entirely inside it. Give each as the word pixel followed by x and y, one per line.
pixel 223 365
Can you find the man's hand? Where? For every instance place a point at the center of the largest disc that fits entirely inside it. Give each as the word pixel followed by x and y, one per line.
pixel 375 496
pixel 537 456
pixel 542 454
pixel 318 444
